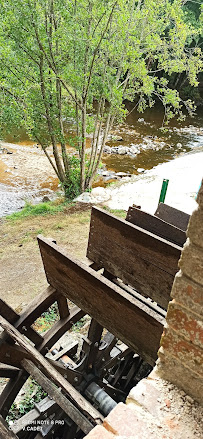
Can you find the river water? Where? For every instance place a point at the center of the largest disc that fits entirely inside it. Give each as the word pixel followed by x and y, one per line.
pixel 176 154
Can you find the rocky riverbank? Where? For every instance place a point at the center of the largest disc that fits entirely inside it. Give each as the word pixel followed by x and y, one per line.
pixel 184 173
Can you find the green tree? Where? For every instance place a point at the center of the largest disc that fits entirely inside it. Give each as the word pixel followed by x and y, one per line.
pixel 79 60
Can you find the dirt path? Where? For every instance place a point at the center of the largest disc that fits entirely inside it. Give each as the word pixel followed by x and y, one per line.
pixel 21 271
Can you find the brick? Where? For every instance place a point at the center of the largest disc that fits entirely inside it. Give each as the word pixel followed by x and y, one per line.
pixel 145 394
pixel 171 369
pixel 195 228
pixel 129 423
pixel 191 262
pixel 100 432
pixel 188 293
pixel 187 324
pixel 183 350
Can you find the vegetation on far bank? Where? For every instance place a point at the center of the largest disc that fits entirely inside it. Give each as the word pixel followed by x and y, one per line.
pixel 62 64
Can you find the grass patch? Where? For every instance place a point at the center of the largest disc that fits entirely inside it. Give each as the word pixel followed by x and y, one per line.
pixel 39 209
pixel 34 394
pixel 117 212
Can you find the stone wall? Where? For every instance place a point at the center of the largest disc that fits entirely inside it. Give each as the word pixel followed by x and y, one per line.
pixel 181 352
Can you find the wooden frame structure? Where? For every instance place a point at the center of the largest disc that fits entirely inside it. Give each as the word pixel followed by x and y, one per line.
pixel 138 270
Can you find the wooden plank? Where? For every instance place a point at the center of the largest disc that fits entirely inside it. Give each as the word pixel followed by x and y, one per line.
pixel 116 310
pixel 63 307
pixel 173 216
pixel 156 226
pixel 7 371
pixel 9 314
pixel 50 371
pixel 59 328
pixel 17 354
pixel 11 390
pixel 38 305
pixel 146 262
pixel 58 397
pixel 5 432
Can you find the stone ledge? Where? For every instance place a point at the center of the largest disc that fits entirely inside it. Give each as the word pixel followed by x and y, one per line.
pixel 154 409
pixel 171 369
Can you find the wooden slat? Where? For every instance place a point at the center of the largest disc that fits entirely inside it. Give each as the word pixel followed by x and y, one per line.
pixel 173 216
pixel 7 371
pixel 125 316
pixel 59 328
pixel 38 305
pixel 146 262
pixel 50 372
pixel 63 307
pixel 9 314
pixel 5 433
pixel 156 226
pixel 17 354
pixel 58 397
pixel 11 390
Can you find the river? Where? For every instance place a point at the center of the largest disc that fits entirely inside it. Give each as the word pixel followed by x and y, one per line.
pixel 141 150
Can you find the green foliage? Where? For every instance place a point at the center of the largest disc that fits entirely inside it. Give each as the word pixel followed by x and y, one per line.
pixel 34 394
pixel 78 325
pixel 79 60
pixel 71 184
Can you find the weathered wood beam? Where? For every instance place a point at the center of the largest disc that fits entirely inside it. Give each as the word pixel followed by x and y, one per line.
pixel 173 216
pixel 156 226
pixel 34 310
pixel 5 433
pixel 7 371
pixel 63 307
pixel 58 397
pixel 58 329
pixel 139 258
pixel 9 314
pixel 11 390
pixel 51 372
pixel 126 317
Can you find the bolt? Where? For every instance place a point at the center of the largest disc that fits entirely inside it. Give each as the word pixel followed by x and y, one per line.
pixel 103 360
pixel 76 379
pixel 24 328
